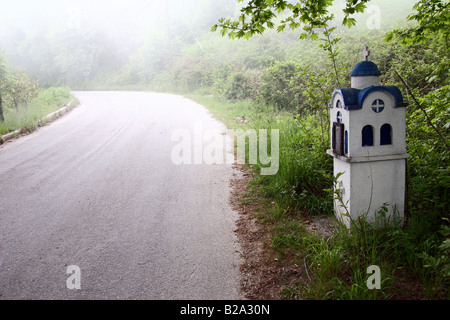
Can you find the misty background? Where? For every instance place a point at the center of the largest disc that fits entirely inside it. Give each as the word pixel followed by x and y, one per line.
pixel 162 45
pixel 50 48
pixel 59 41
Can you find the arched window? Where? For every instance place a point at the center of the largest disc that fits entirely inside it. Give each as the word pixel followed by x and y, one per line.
pixel 339 117
pixel 386 134
pixel 367 136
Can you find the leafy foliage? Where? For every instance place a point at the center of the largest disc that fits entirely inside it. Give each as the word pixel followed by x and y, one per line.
pixel 431 20
pixel 15 88
pixel 19 89
pixel 47 101
pixel 258 15
pixel 432 17
pixel 3 74
pixel 281 86
pixel 420 68
pixel 271 80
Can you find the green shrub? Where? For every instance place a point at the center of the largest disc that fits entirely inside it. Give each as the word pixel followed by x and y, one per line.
pixel 281 86
pixel 240 85
pixel 47 101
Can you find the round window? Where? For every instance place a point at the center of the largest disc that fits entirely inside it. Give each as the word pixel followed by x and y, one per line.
pixel 378 106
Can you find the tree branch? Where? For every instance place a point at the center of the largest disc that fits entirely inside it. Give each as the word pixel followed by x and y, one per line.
pixel 423 110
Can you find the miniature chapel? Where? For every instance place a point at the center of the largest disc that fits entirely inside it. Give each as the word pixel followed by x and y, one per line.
pixel 368 131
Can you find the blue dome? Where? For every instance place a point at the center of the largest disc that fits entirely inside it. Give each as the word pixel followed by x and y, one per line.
pixel 365 68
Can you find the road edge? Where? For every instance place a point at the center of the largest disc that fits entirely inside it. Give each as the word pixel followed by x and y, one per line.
pixel 47 119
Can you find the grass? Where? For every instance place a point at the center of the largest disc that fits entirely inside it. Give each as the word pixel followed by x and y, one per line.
pixel 305 168
pixel 414 261
pixel 48 101
pixel 233 114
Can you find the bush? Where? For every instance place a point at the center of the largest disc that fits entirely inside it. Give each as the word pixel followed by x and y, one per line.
pixel 47 101
pixel 281 87
pixel 240 85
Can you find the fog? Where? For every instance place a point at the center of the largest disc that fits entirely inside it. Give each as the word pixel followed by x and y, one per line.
pixel 115 17
pixel 74 42
pixel 124 20
pixel 56 41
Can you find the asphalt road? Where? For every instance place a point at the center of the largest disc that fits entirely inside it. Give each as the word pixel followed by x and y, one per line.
pixel 98 189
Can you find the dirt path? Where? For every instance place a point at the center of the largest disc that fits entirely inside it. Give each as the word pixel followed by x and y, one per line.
pixel 264 275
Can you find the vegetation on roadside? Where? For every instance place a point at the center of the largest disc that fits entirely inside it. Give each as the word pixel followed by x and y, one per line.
pixel 22 102
pixel 26 117
pixel 292 96
pixel 273 80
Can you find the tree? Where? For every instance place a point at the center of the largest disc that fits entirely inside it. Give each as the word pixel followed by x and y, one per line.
pixel 19 88
pixel 2 117
pixel 431 20
pixel 75 52
pixel 310 15
pixel 313 16
pixel 3 74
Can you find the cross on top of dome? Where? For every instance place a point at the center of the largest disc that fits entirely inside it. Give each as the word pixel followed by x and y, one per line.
pixel 366 53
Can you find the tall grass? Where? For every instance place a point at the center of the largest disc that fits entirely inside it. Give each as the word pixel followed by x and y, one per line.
pixel 337 265
pixel 48 101
pixel 302 177
pixel 304 170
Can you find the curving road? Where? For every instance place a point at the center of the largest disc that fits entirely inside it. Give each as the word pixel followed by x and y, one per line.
pixel 98 189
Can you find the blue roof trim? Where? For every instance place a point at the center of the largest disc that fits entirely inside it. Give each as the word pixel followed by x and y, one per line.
pixel 392 90
pixel 350 96
pixel 365 68
pixel 354 98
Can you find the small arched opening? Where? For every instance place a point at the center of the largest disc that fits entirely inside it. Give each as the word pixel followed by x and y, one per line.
pixel 367 136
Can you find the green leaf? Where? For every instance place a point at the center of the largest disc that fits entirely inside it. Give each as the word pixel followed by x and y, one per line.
pixel 303 36
pixel 349 22
pixel 314 36
pixel 281 28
